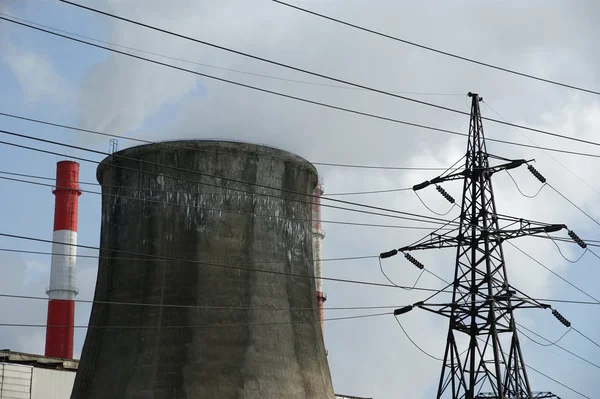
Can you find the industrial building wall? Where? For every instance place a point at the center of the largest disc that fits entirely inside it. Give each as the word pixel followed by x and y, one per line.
pixel 15 381
pixel 27 382
pixel 52 384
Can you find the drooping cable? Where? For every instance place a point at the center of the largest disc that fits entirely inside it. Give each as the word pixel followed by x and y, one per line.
pixel 520 191
pixel 550 343
pixel 431 210
pixel 282 65
pixel 432 49
pixel 390 280
pixel 415 344
pixel 561 253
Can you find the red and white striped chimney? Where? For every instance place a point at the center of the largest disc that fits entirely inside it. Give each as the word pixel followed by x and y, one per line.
pixel 318 236
pixel 62 290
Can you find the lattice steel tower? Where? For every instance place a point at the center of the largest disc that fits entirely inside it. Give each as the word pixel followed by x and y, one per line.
pixel 483 301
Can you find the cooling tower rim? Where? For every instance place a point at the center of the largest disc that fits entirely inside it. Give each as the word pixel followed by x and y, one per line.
pixel 233 147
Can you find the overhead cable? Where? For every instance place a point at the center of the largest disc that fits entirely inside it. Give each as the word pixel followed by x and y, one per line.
pixel 431 210
pixel 586 337
pixel 536 147
pixel 555 344
pixel 291 67
pixel 543 374
pixel 553 272
pixel 519 188
pixel 321 103
pixel 576 175
pixel 432 49
pixel 415 344
pixel 195 172
pixel 223 68
pixel 163 326
pixel 561 253
pixel 165 305
pixel 219 265
pixel 219 209
pixel 574 204
pixel 29 252
pixel 390 280
pixel 550 343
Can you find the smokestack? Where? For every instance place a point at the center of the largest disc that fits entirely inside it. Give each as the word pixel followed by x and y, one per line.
pixel 318 236
pixel 62 291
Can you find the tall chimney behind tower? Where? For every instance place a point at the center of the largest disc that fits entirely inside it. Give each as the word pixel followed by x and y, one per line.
pixel 62 291
pixel 318 236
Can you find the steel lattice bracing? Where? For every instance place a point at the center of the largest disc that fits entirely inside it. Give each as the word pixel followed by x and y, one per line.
pixel 480 274
pixel 481 312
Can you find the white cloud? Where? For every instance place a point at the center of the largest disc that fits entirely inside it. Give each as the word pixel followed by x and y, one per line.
pixel 37 76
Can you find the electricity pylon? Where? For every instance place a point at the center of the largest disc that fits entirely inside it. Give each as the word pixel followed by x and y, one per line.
pixel 483 301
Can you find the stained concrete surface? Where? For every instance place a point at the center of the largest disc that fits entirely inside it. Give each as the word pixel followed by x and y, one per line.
pixel 234 333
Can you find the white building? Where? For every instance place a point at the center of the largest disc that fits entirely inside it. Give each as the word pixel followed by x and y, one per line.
pixel 26 376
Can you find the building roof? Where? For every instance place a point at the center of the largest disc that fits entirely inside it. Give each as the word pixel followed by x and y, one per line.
pixel 29 359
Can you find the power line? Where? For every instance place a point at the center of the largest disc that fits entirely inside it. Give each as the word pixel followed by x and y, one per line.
pixel 586 337
pixel 415 344
pixel 162 305
pixel 291 67
pixel 549 155
pixel 529 367
pixel 29 252
pixel 431 210
pixel 394 190
pixel 519 188
pixel 187 192
pixel 535 147
pixel 138 140
pixel 555 344
pixel 226 210
pixel 162 326
pixel 553 272
pixel 223 68
pixel 575 205
pixel 283 190
pixel 324 221
pixel 561 253
pixel 154 259
pixel 550 343
pixel 448 54
pixel 390 280
pixel 218 265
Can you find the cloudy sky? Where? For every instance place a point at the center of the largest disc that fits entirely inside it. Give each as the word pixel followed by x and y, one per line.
pixel 54 79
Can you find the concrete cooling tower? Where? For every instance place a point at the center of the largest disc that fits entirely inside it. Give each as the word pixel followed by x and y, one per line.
pixel 223 332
